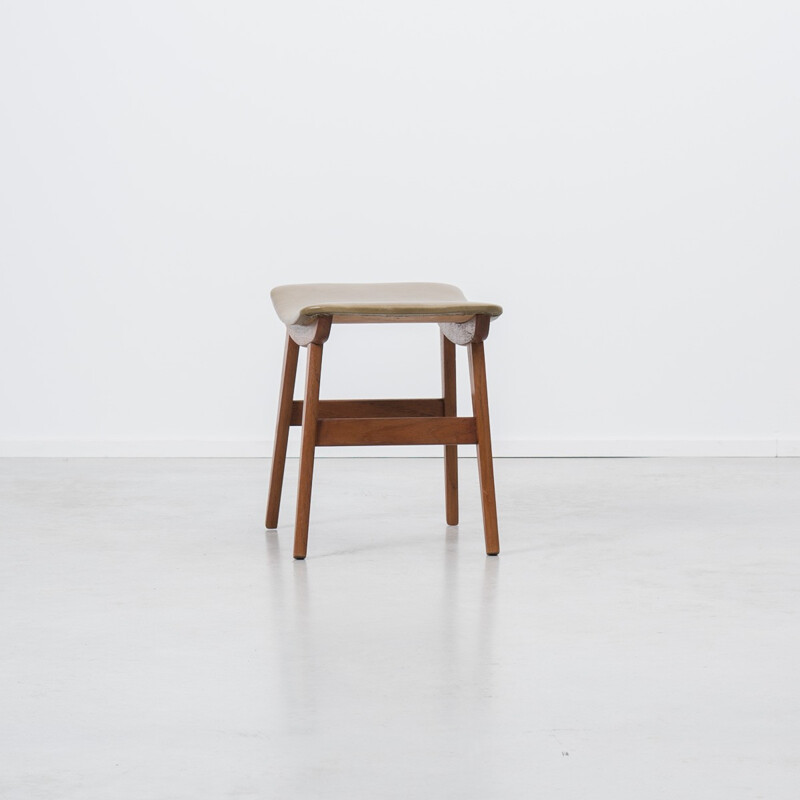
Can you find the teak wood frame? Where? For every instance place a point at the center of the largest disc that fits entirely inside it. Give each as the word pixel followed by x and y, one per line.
pixel 327 423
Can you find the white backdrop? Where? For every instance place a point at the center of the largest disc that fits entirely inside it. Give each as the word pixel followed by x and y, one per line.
pixel 623 177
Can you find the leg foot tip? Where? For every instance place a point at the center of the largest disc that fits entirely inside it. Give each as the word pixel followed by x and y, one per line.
pixel 494 554
pixel 299 558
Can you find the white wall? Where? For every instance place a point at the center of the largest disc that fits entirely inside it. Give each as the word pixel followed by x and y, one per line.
pixel 623 177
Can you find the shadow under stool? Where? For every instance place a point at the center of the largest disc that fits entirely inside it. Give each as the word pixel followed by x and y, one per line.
pixel 308 311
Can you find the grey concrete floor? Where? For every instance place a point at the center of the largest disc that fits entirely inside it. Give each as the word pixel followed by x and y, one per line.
pixel 638 637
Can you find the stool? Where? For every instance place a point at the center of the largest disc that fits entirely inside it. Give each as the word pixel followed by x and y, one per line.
pixel 308 311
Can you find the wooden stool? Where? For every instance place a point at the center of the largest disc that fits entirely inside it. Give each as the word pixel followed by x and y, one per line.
pixel 308 310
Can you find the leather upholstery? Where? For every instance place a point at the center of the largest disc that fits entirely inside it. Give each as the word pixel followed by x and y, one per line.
pixel 299 304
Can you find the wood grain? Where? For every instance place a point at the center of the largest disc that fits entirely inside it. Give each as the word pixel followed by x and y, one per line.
pixel 480 407
pixel 282 431
pixel 307 447
pixel 450 450
pixel 331 409
pixel 402 430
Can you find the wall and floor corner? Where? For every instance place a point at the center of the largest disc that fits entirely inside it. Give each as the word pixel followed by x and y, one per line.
pixel 623 180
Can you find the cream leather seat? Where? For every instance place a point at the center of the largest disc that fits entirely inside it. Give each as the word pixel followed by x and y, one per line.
pixel 299 304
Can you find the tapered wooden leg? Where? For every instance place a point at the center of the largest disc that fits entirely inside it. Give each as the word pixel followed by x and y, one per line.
pixel 307 447
pixel 282 432
pixel 450 450
pixel 480 408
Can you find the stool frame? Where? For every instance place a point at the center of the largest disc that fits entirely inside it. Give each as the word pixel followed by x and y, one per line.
pixel 327 423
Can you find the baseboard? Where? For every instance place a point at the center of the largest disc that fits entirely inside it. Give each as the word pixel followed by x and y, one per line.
pixel 644 448
pixel 556 448
pixel 788 448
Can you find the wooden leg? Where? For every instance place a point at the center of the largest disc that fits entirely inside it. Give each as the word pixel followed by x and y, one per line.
pixel 282 432
pixel 450 450
pixel 480 408
pixel 309 442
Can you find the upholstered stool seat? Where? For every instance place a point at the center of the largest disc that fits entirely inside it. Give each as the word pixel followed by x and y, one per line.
pixel 308 311
pixel 299 304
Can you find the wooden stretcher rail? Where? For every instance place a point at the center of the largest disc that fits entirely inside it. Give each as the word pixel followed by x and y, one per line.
pixel 371 431
pixel 344 409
